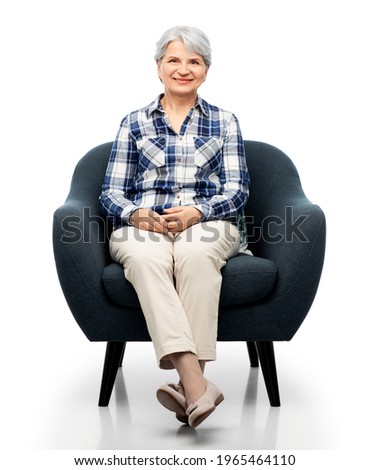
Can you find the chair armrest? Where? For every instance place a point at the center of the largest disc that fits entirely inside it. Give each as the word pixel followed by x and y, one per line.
pixel 81 253
pixel 291 232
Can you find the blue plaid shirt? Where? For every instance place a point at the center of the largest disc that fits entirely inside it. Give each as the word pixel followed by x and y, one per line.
pixel 152 166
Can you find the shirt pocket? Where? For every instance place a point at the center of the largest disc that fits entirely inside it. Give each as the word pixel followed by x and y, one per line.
pixel 151 152
pixel 208 153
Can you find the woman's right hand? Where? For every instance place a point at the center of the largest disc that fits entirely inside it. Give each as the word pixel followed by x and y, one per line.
pixel 147 219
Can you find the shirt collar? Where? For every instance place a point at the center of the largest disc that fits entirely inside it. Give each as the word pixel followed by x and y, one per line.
pixel 203 105
pixel 156 106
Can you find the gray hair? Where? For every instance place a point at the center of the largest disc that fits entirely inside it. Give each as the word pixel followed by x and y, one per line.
pixel 193 39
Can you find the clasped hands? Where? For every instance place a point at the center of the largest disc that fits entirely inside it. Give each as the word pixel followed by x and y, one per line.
pixel 175 220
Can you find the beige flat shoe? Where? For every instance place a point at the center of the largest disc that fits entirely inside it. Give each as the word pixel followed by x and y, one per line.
pixel 170 397
pixel 204 406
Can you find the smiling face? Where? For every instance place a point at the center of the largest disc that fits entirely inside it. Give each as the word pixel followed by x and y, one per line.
pixel 181 72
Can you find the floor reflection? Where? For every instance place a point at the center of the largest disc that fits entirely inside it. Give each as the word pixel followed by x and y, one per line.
pixel 116 431
pixel 257 427
pixel 259 433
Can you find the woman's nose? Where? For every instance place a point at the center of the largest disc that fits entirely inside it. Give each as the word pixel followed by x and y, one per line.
pixel 183 69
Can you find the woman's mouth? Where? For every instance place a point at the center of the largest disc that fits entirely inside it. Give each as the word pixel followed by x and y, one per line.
pixel 183 81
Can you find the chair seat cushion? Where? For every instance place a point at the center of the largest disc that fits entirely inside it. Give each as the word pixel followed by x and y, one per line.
pixel 246 279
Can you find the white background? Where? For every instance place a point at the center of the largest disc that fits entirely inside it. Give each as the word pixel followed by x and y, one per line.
pixel 296 75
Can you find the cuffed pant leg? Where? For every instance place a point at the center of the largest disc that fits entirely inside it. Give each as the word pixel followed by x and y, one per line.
pixel 147 258
pixel 199 254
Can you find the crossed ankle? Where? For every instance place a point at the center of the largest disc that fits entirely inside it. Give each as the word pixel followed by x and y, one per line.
pixel 195 390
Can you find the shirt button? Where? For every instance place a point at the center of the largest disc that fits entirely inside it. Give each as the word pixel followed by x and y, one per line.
pixel 180 160
pixel 178 196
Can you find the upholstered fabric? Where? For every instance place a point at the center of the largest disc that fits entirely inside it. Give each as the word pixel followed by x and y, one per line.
pixel 286 234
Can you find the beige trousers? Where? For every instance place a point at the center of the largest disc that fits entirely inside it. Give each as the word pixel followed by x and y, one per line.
pixel 177 279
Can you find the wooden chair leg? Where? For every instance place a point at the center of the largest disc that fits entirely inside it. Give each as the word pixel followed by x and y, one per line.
pixel 267 361
pixel 113 356
pixel 253 354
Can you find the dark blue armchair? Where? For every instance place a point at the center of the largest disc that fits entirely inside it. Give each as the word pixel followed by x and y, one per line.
pixel 264 297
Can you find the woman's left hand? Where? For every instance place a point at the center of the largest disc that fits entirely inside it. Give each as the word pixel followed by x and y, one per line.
pixel 181 217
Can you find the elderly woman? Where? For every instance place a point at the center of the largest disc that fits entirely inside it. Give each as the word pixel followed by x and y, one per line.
pixel 175 186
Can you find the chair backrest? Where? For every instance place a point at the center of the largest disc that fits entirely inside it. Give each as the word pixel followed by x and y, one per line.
pixel 270 169
pixel 89 175
pixel 272 173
